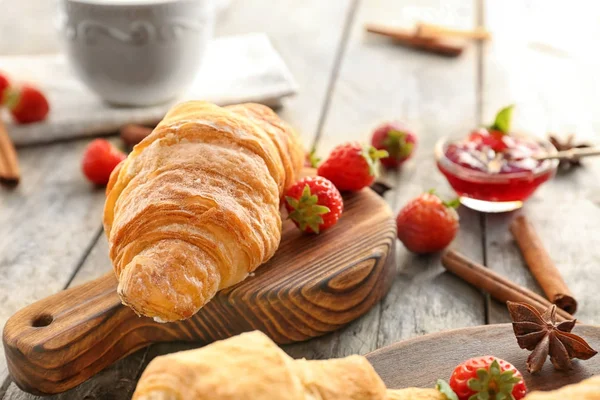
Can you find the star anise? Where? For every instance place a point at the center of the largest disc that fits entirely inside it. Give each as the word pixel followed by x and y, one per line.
pixel 567 145
pixel 545 337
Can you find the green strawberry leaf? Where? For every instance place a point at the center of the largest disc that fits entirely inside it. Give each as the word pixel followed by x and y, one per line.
pixel 313 158
pixel 454 203
pixel 495 368
pixel 307 213
pixel 396 145
pixel 503 120
pixel 292 201
pixel 372 156
pixel 444 388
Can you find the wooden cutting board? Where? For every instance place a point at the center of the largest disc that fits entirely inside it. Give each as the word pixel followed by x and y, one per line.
pixel 313 285
pixel 419 362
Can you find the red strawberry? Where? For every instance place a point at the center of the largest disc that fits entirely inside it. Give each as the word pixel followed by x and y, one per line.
pixel 487 378
pixel 427 224
pixel 352 166
pixel 4 84
pixel 396 140
pixel 99 160
pixel 26 103
pixel 314 204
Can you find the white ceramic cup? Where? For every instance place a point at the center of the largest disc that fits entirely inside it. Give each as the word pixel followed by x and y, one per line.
pixel 137 52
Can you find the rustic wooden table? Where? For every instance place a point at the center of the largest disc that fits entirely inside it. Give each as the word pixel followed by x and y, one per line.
pixel 50 233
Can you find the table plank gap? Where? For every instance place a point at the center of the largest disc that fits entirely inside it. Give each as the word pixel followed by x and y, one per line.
pixel 339 56
pixel 85 255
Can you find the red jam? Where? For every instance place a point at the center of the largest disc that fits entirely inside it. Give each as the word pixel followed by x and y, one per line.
pixel 495 167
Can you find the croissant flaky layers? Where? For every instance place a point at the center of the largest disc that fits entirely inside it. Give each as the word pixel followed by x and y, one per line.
pixel 195 206
pixel 263 371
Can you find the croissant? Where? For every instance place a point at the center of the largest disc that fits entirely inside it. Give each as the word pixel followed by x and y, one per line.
pixel 588 389
pixel 262 371
pixel 194 208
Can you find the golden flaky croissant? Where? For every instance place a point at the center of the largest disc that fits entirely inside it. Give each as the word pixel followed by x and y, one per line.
pixel 251 367
pixel 588 389
pixel 195 206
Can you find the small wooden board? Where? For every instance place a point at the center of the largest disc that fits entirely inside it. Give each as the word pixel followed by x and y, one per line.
pixel 313 285
pixel 419 362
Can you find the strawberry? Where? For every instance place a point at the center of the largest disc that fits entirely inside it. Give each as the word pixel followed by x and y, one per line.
pixel 427 224
pixel 399 142
pixel 4 85
pixel 26 103
pixel 487 378
pixel 314 204
pixel 99 160
pixel 351 166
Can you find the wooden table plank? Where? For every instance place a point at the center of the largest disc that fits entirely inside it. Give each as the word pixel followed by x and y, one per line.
pixel 379 81
pixel 308 44
pixel 307 36
pixel 556 89
pixel 46 225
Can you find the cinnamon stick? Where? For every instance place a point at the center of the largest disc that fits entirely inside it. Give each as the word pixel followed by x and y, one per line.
pixel 413 40
pixel 132 134
pixel 541 265
pixel 431 30
pixel 9 164
pixel 496 285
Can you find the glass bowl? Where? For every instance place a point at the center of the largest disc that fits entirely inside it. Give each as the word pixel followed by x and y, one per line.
pixel 487 192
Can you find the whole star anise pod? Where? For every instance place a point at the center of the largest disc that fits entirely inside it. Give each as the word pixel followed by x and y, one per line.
pixel 567 145
pixel 541 334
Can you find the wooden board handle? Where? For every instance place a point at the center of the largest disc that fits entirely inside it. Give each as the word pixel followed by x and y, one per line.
pixel 60 336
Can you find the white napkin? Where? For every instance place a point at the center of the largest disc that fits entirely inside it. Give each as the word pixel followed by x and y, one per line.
pixel 236 69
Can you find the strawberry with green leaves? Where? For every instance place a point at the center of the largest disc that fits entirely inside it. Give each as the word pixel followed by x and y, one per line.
pixel 397 140
pixel 427 224
pixel 352 166
pixel 26 103
pixel 484 378
pixel 314 204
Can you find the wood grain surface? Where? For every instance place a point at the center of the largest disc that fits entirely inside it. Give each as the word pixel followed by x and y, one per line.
pixel 421 361
pixel 313 285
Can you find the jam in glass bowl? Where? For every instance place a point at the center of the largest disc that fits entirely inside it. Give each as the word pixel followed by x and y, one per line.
pixel 492 171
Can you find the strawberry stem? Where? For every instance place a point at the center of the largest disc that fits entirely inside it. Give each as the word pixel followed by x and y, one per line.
pixel 313 158
pixel 307 213
pixel 444 388
pixel 398 147
pixel 11 98
pixel 454 203
pixel 493 384
pixel 372 156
